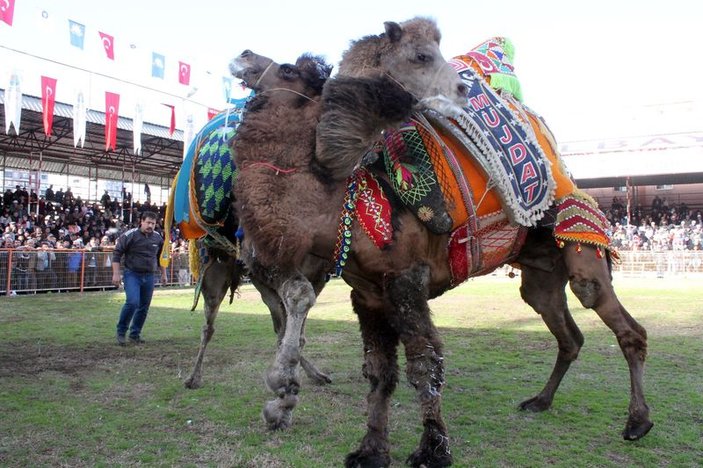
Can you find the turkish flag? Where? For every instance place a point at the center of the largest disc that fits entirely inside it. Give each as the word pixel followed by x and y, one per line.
pixel 183 72
pixel 172 128
pixel 48 98
pixel 211 113
pixel 108 44
pixel 112 110
pixel 7 11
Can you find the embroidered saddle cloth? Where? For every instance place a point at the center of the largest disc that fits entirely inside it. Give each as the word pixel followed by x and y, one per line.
pixel 487 174
pixel 199 202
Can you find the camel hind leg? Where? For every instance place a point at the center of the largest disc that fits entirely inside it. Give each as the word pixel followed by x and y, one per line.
pixel 591 282
pixel 545 292
pixel 220 275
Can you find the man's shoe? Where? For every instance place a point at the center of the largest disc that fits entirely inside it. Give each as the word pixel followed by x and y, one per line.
pixel 121 341
pixel 136 340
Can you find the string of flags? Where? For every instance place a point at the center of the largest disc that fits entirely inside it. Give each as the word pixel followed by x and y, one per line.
pixel 78 35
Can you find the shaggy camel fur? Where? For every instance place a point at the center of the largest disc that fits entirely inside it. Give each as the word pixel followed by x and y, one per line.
pixel 408 55
pixel 223 272
pixel 275 186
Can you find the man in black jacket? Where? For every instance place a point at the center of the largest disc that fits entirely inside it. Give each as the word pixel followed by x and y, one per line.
pixel 138 250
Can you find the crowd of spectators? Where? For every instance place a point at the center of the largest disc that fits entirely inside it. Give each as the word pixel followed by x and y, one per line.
pixel 662 227
pixel 62 221
pixel 55 234
pixel 58 220
pixel 61 228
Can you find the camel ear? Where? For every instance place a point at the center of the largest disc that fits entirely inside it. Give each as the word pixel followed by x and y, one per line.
pixel 315 70
pixel 323 70
pixel 393 31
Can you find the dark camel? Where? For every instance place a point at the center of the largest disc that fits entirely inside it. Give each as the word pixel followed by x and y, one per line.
pixel 285 189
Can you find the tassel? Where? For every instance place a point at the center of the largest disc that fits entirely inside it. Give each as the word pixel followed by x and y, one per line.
pixel 508 48
pixel 501 81
pixel 578 248
pixel 599 253
pixel 165 257
pixel 560 244
pixel 193 259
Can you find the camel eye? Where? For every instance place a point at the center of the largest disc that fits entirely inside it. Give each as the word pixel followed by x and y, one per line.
pixel 287 70
pixel 423 58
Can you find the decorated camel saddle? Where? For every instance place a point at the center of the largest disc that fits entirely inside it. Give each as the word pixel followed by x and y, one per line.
pixel 483 176
pixel 200 196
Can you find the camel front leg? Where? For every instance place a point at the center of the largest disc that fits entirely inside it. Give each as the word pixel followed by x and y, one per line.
pixel 278 316
pixel 381 370
pixel 425 362
pixel 298 296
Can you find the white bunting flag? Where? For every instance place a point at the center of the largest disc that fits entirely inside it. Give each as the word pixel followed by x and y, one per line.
pixel 137 126
pixel 79 119
pixel 188 133
pixel 13 104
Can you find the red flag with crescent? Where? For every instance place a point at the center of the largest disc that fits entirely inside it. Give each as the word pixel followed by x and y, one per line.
pixel 48 99
pixel 108 44
pixel 183 73
pixel 112 109
pixel 7 11
pixel 211 113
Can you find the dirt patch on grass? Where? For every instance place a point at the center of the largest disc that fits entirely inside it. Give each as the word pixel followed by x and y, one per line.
pixel 29 358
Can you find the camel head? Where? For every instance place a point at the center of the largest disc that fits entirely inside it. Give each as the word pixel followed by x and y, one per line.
pixel 306 77
pixel 409 53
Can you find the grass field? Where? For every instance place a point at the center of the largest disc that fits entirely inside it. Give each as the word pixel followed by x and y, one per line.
pixel 71 397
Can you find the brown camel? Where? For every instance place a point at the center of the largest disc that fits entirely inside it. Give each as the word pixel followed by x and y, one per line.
pixel 281 230
pixel 288 191
pixel 224 272
pixel 422 271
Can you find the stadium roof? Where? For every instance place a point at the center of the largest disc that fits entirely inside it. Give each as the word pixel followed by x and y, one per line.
pixel 161 156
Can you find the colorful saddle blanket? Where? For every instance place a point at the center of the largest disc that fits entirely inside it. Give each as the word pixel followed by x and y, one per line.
pixel 213 176
pixel 200 197
pixel 507 148
pixel 413 160
pixel 498 158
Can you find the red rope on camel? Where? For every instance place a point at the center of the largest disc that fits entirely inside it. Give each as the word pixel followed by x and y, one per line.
pixel 272 167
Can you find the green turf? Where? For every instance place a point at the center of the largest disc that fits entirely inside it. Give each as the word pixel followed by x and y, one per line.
pixel 71 397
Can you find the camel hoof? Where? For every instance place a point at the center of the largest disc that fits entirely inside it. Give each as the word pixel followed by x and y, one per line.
pixel 535 404
pixel 277 416
pixel 366 460
pixel 636 430
pixel 193 383
pixel 422 458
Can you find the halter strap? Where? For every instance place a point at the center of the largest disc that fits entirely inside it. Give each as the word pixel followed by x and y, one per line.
pixel 263 74
pixel 289 90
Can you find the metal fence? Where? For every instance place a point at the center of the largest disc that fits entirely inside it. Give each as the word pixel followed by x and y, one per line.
pixel 645 263
pixel 28 271
pixel 32 271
